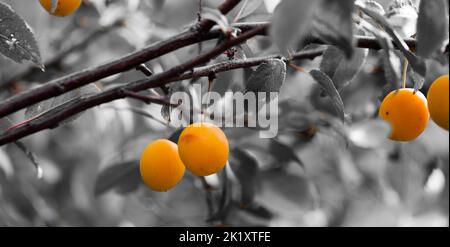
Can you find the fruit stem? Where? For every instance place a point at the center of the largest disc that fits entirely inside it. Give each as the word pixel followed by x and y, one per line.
pixel 211 79
pixel 405 71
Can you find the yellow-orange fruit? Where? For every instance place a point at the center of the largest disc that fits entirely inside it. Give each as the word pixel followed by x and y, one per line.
pixel 203 148
pixel 160 166
pixel 407 113
pixel 60 7
pixel 438 101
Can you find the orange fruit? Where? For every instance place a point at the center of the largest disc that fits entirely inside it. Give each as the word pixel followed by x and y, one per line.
pixel 407 113
pixel 203 148
pixel 438 101
pixel 160 166
pixel 60 7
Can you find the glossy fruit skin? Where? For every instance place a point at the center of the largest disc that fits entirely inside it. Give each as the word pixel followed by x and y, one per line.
pixel 203 148
pixel 438 101
pixel 62 8
pixel 407 113
pixel 160 166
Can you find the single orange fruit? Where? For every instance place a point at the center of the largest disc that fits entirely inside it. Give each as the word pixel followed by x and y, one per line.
pixel 161 167
pixel 407 113
pixel 60 7
pixel 203 148
pixel 438 101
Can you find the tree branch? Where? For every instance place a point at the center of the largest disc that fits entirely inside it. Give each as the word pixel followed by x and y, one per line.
pixel 68 83
pixel 244 63
pixel 178 73
pixel 60 56
pixel 79 79
pixel 52 118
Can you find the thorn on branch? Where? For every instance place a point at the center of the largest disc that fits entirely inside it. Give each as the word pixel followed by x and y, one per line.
pixel 144 69
pixel 148 72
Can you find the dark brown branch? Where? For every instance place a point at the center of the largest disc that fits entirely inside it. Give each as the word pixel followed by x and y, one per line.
pixel 48 121
pixel 175 74
pixel 244 63
pixel 360 41
pixel 76 80
pixel 79 79
pixel 60 56
pixel 52 118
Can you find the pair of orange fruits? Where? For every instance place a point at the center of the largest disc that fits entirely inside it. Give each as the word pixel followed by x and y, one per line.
pixel 408 111
pixel 60 7
pixel 202 148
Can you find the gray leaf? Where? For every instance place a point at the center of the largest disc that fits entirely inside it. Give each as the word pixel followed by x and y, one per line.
pixel 333 23
pixel 31 156
pixel 47 105
pixel 417 79
pixel 349 68
pixel 327 84
pixel 250 7
pixel 291 21
pixel 246 170
pixel 16 38
pixel 432 27
pixel 331 60
pixel 123 176
pixel 283 153
pixel 402 15
pixel 268 77
pixel 216 16
pixel 416 63
pixel 165 112
pixel 389 57
pixel 342 70
pixel 372 5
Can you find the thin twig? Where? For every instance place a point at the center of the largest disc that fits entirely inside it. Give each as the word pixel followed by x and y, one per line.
pixel 137 111
pixel 160 100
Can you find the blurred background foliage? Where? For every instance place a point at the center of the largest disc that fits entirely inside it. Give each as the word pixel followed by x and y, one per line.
pixel 317 172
